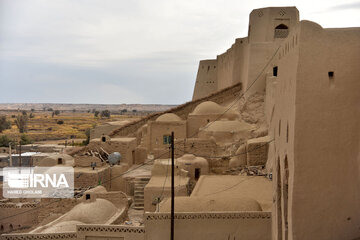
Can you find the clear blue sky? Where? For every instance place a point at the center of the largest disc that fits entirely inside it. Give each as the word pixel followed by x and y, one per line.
pixel 135 51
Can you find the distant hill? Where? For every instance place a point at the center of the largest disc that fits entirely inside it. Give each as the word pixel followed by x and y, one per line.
pixel 85 107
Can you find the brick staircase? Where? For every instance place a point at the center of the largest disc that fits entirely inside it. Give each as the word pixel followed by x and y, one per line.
pixel 139 185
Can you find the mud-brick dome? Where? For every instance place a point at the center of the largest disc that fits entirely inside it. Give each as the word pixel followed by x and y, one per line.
pixel 190 158
pixel 208 107
pixel 67 226
pixel 98 211
pixel 168 117
pixel 228 126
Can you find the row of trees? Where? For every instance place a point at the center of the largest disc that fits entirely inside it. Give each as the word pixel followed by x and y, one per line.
pixel 20 121
pixel 5 141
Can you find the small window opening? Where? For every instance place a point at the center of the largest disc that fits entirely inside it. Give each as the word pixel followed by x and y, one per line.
pixel 87 196
pixel 166 139
pixel 208 120
pixel 208 68
pixel 133 156
pixel 2 228
pixel 11 227
pixel 60 161
pixel 275 71
pixel 197 173
pixel 103 139
pixel 281 31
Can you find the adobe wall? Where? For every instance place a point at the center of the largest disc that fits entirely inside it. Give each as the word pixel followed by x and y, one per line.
pixel 182 111
pixel 105 232
pixel 153 192
pixel 206 79
pixel 260 54
pixel 206 148
pixel 313 117
pixel 263 21
pixel 231 68
pixel 85 177
pixel 232 65
pixel 16 217
pixel 280 114
pixel 125 146
pixel 326 166
pixel 117 182
pixel 157 130
pixel 36 236
pixel 86 232
pixel 211 226
pixel 244 61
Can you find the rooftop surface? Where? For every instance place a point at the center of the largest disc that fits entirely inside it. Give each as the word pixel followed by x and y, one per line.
pixel 255 187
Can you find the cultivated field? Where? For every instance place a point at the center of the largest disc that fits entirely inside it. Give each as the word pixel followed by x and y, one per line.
pixel 43 126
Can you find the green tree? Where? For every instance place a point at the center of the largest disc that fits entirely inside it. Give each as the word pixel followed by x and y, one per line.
pixel 21 122
pixel 87 133
pixel 4 124
pixel 105 114
pixel 96 113
pixel 24 139
pixel 4 141
pixel 57 112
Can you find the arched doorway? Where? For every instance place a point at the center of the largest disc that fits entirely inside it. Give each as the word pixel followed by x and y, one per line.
pixel 281 31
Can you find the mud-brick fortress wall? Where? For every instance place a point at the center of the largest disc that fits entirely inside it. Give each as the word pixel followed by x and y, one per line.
pixel 247 57
pixel 206 79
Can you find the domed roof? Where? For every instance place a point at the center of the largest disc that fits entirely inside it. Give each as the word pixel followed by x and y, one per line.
pixel 190 158
pixel 168 117
pixel 98 211
pixel 227 126
pixel 97 189
pixel 208 107
pixel 211 204
pixel 67 226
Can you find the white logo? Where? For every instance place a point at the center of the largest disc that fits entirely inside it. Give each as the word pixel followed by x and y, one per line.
pixel 38 182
